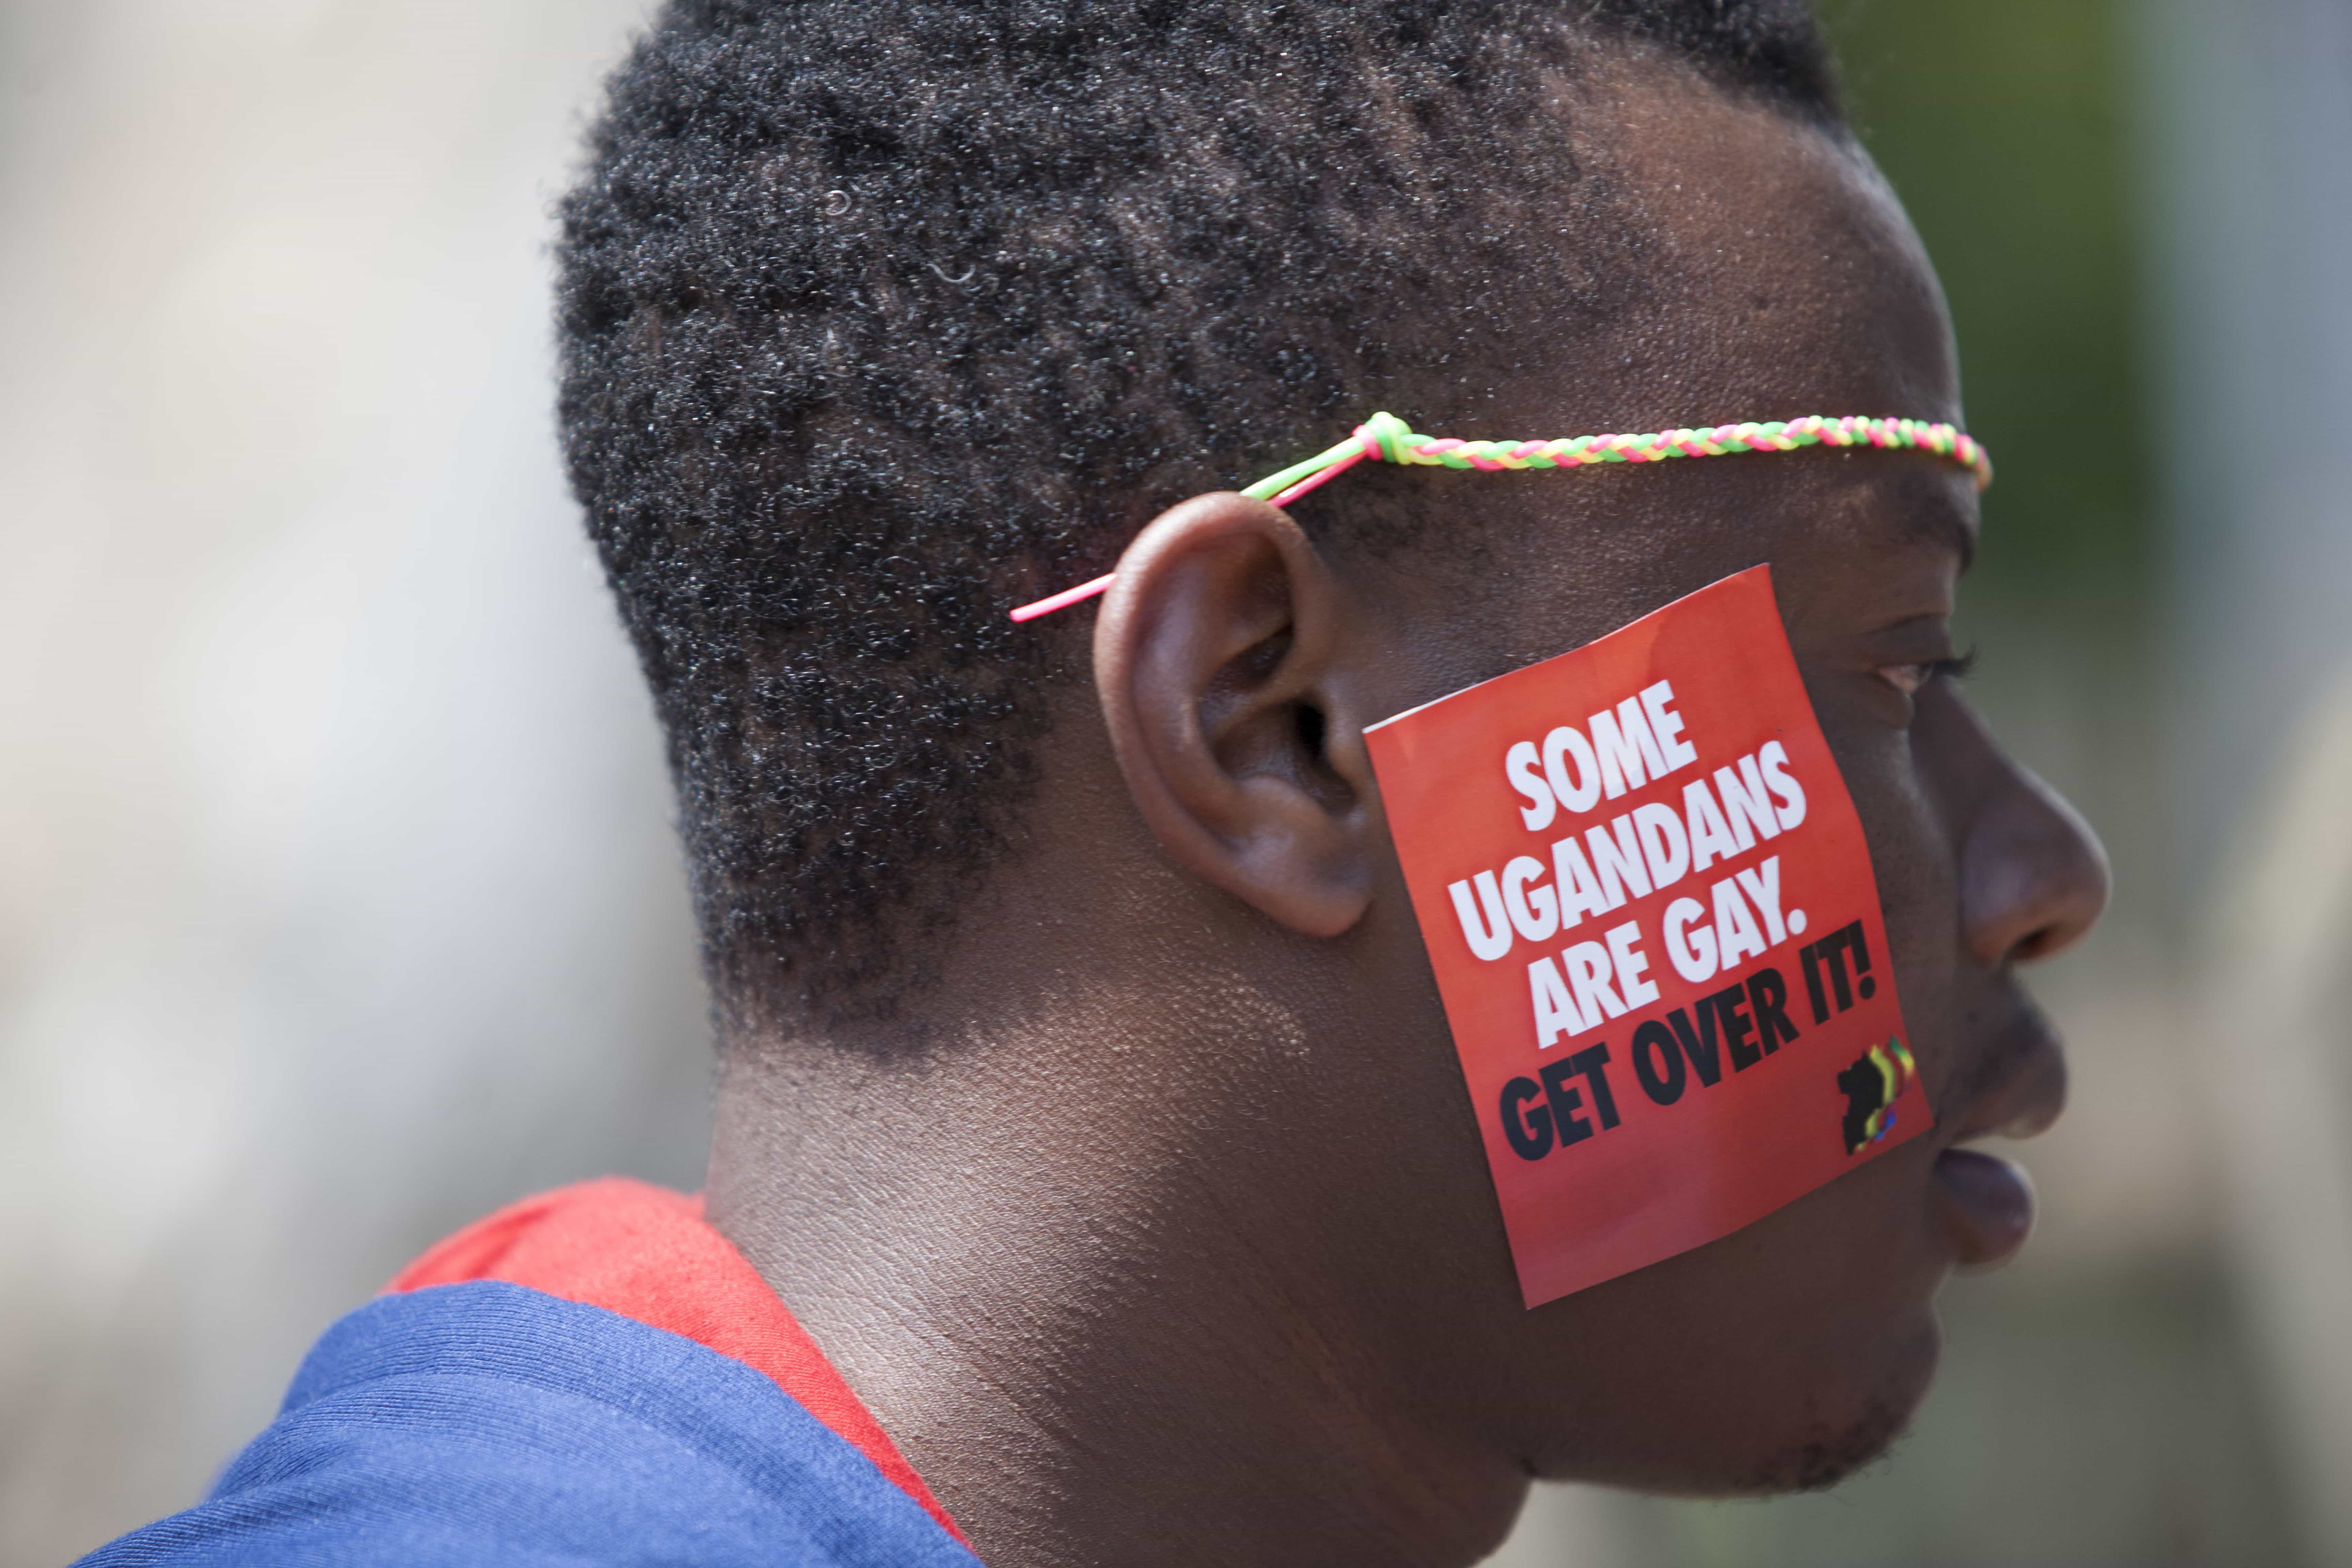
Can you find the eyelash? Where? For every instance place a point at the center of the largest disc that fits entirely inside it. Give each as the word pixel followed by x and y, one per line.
pixel 1955 669
pixel 1958 669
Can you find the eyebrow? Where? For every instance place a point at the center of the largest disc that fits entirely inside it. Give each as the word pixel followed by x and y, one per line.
pixel 1948 526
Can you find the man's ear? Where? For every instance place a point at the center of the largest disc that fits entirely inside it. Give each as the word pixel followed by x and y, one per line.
pixel 1218 659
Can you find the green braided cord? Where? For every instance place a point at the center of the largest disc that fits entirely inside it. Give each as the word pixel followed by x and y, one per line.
pixel 1274 484
pixel 1386 438
pixel 1392 436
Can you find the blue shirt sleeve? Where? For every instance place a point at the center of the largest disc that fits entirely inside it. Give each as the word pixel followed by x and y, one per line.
pixel 484 1424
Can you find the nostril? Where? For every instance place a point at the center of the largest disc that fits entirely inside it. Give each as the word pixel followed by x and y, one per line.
pixel 2047 940
pixel 1310 731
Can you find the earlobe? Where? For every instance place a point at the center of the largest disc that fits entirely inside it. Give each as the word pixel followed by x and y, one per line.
pixel 1221 661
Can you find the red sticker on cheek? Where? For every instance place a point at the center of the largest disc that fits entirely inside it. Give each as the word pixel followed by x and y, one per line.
pixel 1651 911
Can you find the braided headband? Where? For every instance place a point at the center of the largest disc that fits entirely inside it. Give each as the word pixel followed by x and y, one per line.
pixel 1385 438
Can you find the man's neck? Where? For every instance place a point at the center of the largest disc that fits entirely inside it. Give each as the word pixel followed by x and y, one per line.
pixel 1077 1327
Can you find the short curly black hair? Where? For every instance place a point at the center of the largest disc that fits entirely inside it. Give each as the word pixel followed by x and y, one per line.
pixel 879 316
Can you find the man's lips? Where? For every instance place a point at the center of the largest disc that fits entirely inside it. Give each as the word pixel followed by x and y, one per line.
pixel 2017 1091
pixel 1989 1201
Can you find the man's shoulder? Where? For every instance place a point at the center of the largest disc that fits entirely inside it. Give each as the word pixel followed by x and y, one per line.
pixel 490 1423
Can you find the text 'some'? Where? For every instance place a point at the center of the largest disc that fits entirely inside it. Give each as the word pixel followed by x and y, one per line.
pixel 1651 911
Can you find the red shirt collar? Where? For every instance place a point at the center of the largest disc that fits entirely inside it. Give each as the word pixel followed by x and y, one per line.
pixel 646 1253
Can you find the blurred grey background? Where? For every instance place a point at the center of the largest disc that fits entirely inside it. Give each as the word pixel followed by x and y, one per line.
pixel 338 903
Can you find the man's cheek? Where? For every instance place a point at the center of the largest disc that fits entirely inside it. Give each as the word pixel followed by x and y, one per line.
pixel 1918 886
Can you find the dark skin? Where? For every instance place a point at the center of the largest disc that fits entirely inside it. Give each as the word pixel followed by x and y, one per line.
pixel 1158 1231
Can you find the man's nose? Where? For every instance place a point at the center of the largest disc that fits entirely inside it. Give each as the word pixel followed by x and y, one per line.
pixel 2033 876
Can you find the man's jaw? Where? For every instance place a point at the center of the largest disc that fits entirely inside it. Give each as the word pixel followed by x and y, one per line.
pixel 1829 1458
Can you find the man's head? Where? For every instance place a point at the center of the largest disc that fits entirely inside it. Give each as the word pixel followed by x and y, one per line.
pixel 1176 1077
pixel 878 317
